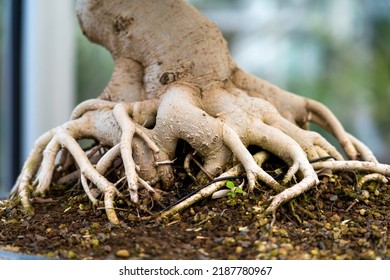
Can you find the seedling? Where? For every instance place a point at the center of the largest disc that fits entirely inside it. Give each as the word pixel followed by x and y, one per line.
pixel 233 189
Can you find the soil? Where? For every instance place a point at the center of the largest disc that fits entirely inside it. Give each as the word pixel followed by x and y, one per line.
pixel 336 220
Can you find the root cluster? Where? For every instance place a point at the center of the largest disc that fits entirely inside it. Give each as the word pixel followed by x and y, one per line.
pixel 180 84
pixel 219 123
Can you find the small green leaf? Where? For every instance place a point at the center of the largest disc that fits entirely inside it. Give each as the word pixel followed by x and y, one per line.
pixel 239 190
pixel 230 185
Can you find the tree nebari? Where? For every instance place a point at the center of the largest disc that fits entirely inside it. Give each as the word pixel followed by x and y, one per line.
pixel 175 80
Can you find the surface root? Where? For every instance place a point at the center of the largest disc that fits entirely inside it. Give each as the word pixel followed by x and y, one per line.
pixel 138 141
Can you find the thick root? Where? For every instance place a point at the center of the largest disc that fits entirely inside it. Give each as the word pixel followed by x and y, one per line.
pixel 23 185
pixel 128 129
pixel 215 131
pixel 204 192
pixel 253 171
pixel 261 125
pixel 300 111
pixel 359 166
pixel 142 113
pixel 248 130
pixel 213 188
pixel 117 127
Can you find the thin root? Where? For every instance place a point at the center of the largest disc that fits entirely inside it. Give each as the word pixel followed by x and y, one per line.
pixel 372 177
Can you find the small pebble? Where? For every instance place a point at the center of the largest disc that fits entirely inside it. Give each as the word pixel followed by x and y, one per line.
pixel 362 212
pixel 314 252
pixel 123 253
pixel 95 242
pixel 374 227
pixel 229 241
pixel 365 194
pixel 335 218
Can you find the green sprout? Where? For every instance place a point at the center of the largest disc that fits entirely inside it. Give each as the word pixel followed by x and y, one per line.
pixel 233 189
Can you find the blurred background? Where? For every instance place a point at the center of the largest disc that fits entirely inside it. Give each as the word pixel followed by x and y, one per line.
pixel 334 51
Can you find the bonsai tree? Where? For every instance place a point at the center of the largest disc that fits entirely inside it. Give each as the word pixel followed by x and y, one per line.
pixel 174 80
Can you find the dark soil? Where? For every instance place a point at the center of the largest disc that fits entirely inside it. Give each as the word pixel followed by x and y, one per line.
pixel 333 221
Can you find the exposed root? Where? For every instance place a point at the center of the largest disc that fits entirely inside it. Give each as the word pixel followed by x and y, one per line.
pixel 327 120
pixel 185 89
pixel 87 190
pixel 289 194
pixel 203 193
pixel 186 166
pixel 212 189
pixel 253 171
pixel 23 185
pixel 216 137
pixel 359 166
pixel 47 148
pixel 301 111
pixel 364 152
pixel 372 177
pixel 91 105
pixel 128 131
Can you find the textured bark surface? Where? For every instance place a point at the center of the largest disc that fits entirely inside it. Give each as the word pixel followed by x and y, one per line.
pixel 175 82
